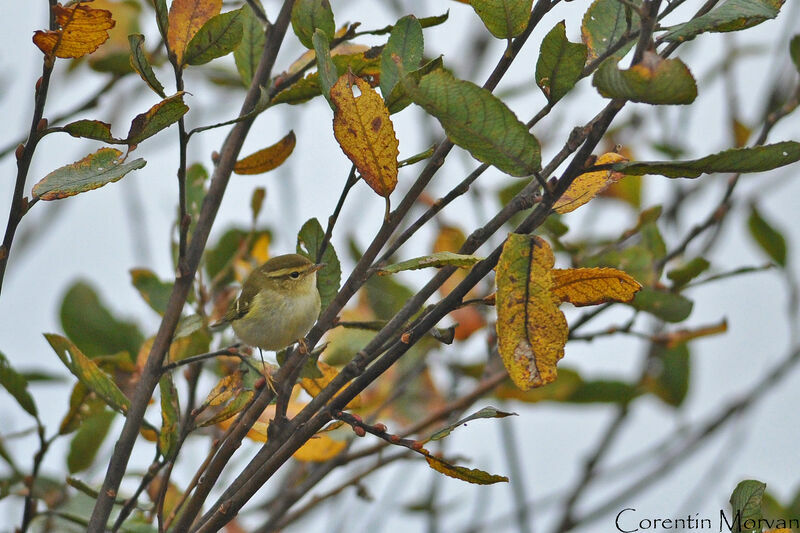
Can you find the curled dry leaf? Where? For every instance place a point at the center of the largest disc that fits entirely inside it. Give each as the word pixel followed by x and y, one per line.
pixel 590 184
pixel 365 132
pixel 267 159
pixel 83 30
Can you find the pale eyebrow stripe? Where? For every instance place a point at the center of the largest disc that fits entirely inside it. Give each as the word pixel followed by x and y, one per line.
pixel 284 271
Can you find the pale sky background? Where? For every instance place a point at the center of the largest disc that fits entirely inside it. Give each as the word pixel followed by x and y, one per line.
pixel 93 236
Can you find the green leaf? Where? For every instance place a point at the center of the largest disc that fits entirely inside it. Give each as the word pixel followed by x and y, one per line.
pixel 141 65
pixel 154 291
pixel 746 499
pixel 684 274
pixel 92 327
pixel 601 391
pixel 92 129
pixel 669 380
pixel 755 159
pixel 17 386
pixel 653 81
pixel 768 238
pixel 477 121
pixel 635 260
pixel 162 17
pixel 503 18
pixel 160 116
pixel 309 16
pixel 434 260
pixel 398 99
pixel 732 15
pixel 87 441
pixel 794 51
pixel 560 63
pixel 309 87
pixel 386 296
pixel 309 241
pixel 220 256
pixel 187 325
pixel 605 23
pixel 169 436
pixel 218 37
pixel 486 412
pixel 196 178
pixel 91 172
pixel 470 475
pixel 667 306
pixel 407 43
pixel 326 69
pixel 248 53
pixel 257 202
pixel 425 22
pixel 88 373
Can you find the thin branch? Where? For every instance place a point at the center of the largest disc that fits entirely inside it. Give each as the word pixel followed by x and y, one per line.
pixel 352 179
pixel 19 204
pixel 152 370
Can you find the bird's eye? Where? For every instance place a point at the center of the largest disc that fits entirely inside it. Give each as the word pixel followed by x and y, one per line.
pixel 294 275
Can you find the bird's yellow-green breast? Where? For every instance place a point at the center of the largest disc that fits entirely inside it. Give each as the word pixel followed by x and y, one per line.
pixel 278 304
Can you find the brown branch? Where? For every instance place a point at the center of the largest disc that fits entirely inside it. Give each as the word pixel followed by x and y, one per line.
pixel 152 371
pixel 19 204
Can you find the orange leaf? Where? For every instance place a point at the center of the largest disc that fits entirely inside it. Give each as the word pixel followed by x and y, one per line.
pixel 592 286
pixel 365 132
pixel 186 17
pixel 267 159
pixel 588 185
pixel 531 329
pixel 83 30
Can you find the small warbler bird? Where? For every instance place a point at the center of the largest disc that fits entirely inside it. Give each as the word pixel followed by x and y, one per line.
pixel 278 304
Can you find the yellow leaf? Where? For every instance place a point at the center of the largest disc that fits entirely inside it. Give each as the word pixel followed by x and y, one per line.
pixel 588 185
pixel 531 330
pixel 471 475
pixel 267 159
pixel 260 249
pixel 365 132
pixel 319 448
pixel 314 386
pixel 225 389
pixel 186 17
pixel 592 286
pixel 83 30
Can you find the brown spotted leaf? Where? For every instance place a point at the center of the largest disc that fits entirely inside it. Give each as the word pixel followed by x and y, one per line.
pixel 531 330
pixel 267 159
pixel 186 17
pixel 82 31
pixel 592 286
pixel 589 184
pixel 365 132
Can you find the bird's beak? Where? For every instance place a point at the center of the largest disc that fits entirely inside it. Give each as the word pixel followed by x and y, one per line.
pixel 317 267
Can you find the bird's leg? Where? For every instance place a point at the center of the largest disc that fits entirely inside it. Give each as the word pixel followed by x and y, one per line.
pixel 302 346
